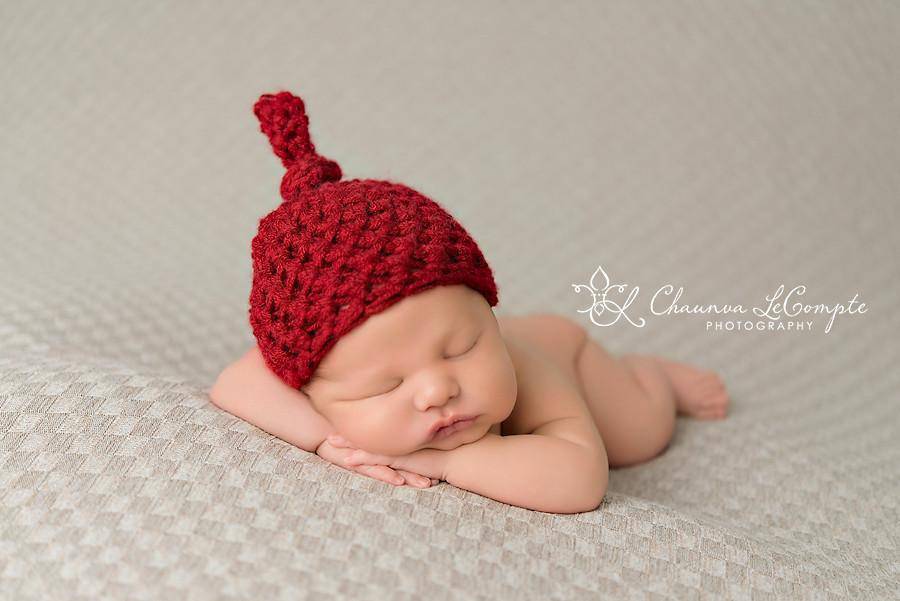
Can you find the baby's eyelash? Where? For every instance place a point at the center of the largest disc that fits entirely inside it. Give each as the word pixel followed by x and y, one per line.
pixel 392 389
pixel 474 344
pixel 377 394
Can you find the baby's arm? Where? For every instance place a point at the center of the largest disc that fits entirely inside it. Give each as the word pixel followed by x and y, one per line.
pixel 535 471
pixel 551 471
pixel 249 390
pixel 252 392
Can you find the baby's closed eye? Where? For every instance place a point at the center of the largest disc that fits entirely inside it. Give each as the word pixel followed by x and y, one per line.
pixel 381 391
pixel 465 352
pixel 390 388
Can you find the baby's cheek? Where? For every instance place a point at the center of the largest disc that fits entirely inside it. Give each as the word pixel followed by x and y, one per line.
pixel 496 381
pixel 377 430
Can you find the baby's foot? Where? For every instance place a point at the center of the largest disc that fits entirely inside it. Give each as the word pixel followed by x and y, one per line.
pixel 699 393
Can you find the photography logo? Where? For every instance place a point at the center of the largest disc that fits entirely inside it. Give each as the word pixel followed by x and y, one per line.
pixel 782 311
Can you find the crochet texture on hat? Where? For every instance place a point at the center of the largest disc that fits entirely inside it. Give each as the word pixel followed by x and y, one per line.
pixel 336 252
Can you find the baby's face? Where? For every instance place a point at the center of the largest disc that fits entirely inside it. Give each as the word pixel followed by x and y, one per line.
pixel 432 355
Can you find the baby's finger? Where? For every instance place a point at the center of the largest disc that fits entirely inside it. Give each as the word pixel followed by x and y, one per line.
pixel 416 480
pixel 381 472
pixel 337 440
pixel 359 457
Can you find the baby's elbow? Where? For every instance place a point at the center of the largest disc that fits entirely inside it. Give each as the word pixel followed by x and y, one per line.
pixel 223 391
pixel 216 392
pixel 595 488
pixel 596 491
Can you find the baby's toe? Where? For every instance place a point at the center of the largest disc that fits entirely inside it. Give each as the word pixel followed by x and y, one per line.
pixel 710 381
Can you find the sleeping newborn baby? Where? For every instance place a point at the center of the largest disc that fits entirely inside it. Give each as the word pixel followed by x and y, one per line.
pixel 378 348
pixel 527 410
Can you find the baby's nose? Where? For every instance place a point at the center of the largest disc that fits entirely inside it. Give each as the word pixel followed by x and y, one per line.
pixel 438 390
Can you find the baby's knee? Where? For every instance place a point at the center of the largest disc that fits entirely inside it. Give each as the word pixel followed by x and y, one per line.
pixel 665 429
pixel 652 442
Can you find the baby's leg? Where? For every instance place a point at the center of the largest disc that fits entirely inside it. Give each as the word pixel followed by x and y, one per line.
pixel 634 399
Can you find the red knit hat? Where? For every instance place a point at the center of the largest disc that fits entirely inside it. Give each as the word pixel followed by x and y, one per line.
pixel 335 252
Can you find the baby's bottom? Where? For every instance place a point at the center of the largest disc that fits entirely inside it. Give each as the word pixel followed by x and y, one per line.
pixel 634 399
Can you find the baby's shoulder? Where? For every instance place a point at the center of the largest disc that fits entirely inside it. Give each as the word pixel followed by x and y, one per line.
pixel 545 392
pixel 556 335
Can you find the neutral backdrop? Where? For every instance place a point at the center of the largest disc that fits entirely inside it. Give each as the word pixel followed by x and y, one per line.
pixel 726 147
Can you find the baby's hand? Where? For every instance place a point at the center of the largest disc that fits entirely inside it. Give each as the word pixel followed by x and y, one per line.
pixel 339 451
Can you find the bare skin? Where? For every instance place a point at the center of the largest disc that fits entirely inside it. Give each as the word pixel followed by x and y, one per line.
pixel 633 398
pixel 547 394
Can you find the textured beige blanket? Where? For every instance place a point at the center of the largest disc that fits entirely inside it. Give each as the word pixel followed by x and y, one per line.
pixel 728 148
